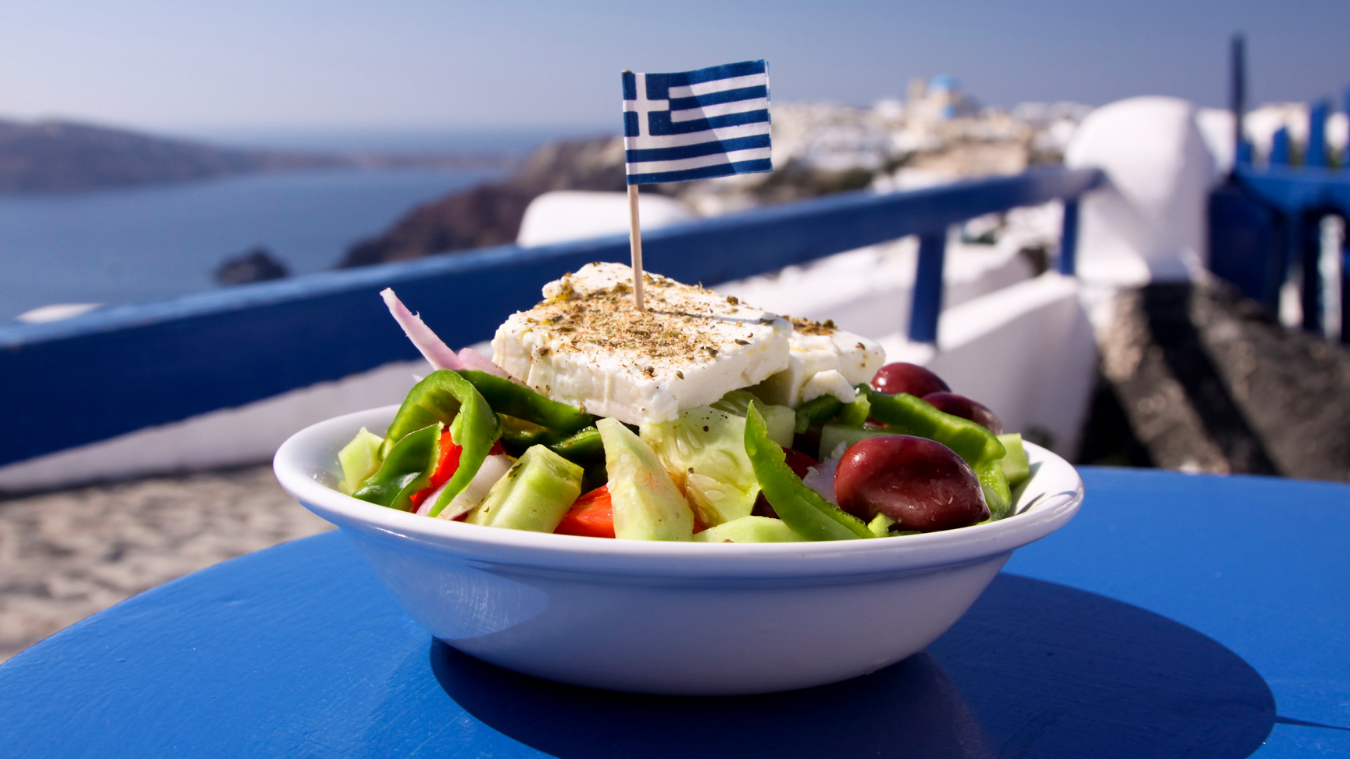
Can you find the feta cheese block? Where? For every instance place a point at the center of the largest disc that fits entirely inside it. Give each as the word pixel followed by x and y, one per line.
pixel 587 345
pixel 823 360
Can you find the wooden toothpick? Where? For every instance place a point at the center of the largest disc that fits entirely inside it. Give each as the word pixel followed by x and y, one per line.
pixel 635 238
pixel 635 245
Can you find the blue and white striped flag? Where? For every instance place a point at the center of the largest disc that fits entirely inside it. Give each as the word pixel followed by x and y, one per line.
pixel 712 122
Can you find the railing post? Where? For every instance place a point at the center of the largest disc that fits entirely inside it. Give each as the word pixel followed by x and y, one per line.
pixel 1280 269
pixel 1345 279
pixel 1316 152
pixel 1244 153
pixel 1345 152
pixel 1237 100
pixel 1307 244
pixel 1279 147
pixel 926 304
pixel 1068 239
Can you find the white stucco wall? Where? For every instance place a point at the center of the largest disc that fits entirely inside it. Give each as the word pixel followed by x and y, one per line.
pixel 557 217
pixel 1148 223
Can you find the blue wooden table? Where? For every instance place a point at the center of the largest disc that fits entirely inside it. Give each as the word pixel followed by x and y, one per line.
pixel 1175 616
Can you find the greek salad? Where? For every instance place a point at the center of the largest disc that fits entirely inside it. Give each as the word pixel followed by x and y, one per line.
pixel 699 419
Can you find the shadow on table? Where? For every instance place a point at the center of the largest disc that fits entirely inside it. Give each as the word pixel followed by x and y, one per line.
pixel 1033 668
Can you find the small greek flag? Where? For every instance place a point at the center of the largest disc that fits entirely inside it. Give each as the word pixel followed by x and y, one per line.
pixel 712 122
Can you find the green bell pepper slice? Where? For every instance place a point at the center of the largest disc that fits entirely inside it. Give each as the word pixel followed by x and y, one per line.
pixel 519 435
pixel 437 398
pixel 816 411
pixel 507 397
pixel 856 413
pixel 913 416
pixel 446 397
pixel 997 492
pixel 406 469
pixel 800 507
pixel 584 446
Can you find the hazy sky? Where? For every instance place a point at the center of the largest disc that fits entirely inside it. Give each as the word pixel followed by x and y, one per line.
pixel 176 64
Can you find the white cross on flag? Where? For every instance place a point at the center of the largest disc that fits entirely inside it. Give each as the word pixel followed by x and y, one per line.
pixel 712 122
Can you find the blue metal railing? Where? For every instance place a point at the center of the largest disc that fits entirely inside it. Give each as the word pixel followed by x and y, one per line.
pixel 1265 222
pixel 124 368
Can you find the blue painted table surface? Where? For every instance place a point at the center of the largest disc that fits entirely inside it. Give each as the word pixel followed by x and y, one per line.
pixel 1175 616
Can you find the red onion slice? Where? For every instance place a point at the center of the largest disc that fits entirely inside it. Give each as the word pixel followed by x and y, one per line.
pixel 432 348
pixel 472 359
pixel 436 352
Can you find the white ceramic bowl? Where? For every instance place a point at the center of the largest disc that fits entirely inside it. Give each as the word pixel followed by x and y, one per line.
pixel 672 618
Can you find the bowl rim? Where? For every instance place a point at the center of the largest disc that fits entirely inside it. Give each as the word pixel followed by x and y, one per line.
pixel 298 466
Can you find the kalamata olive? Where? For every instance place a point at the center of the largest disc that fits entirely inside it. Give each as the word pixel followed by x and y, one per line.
pixel 921 484
pixel 960 405
pixel 894 379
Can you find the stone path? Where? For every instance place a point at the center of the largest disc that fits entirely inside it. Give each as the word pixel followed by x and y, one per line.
pixel 1212 383
pixel 68 554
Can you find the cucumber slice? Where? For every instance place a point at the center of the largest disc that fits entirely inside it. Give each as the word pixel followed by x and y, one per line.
pixel 881 525
pixel 832 435
pixel 1014 462
pixel 647 505
pixel 360 458
pixel 704 452
pixel 749 530
pixel 534 495
pixel 779 419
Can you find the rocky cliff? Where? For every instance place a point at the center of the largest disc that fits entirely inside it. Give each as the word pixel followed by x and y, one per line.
pixel 818 150
pixel 490 213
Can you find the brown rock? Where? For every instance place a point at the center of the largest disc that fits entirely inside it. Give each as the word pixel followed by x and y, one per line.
pixel 257 265
pixel 484 215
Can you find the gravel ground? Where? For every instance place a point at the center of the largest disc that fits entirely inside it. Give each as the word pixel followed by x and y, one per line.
pixel 68 554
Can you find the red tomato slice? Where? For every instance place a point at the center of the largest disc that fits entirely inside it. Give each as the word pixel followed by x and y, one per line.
pixel 591 516
pixel 447 465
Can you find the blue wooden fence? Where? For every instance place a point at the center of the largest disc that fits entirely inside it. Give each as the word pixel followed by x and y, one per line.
pixel 124 368
pixel 1265 222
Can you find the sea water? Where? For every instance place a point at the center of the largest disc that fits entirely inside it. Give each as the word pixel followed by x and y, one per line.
pixel 124 246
